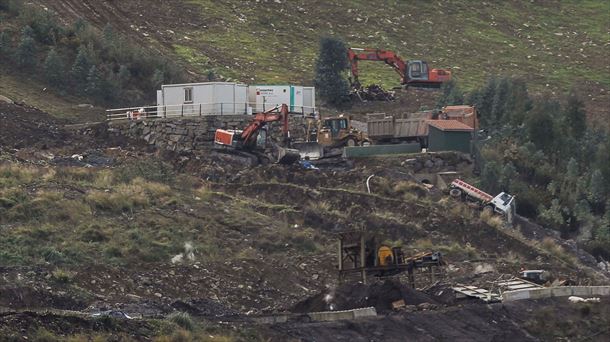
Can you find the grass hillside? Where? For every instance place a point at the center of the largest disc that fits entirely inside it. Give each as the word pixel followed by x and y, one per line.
pixel 546 42
pixel 552 44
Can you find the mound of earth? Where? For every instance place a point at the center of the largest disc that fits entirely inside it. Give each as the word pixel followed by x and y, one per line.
pixel 381 295
pixel 23 127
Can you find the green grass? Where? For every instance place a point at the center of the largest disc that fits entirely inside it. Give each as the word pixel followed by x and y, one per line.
pixel 273 43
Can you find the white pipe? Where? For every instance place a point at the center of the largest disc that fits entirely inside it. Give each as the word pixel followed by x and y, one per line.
pixel 368 187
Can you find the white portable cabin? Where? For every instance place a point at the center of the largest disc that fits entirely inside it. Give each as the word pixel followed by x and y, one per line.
pixel 209 98
pixel 299 99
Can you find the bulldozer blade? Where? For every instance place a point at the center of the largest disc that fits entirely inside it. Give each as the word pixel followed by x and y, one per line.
pixel 287 155
pixel 309 150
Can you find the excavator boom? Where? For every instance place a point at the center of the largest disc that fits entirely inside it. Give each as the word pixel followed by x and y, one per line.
pixel 412 73
pixel 247 138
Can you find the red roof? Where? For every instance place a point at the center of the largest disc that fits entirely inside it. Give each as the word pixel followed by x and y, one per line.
pixel 450 125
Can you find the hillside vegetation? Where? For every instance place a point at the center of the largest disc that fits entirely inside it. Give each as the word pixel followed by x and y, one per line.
pixel 277 41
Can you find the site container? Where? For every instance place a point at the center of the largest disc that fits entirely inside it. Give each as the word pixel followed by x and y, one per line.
pixel 210 98
pixel 299 99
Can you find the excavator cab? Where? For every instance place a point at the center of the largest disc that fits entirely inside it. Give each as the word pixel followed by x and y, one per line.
pixel 418 70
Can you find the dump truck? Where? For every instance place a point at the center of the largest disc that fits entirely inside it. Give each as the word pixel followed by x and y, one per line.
pixel 503 203
pixel 462 113
pixel 393 129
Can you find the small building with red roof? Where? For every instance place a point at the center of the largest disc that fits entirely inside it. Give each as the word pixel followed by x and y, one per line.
pixel 449 135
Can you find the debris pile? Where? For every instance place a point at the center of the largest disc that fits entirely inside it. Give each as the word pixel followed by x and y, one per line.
pixel 380 295
pixel 374 92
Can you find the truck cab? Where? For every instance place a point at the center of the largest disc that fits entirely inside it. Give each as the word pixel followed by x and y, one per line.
pixel 504 204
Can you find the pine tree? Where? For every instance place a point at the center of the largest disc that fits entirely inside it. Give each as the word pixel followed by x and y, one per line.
pixel 518 102
pixel 80 68
pixel 509 173
pixel 574 116
pixel 26 51
pixel 451 95
pixel 5 44
pixel 93 83
pixel 597 192
pixel 54 69
pixel 158 78
pixel 485 104
pixel 109 36
pixel 490 176
pixel 540 126
pixel 124 76
pixel 330 66
pixel 498 105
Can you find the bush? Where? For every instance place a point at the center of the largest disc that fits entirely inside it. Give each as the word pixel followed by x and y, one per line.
pixel 183 320
pixel 63 276
pixel 550 246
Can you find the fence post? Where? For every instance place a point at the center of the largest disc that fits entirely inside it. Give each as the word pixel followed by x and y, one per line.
pixel 164 112
pixel 200 109
pixel 182 110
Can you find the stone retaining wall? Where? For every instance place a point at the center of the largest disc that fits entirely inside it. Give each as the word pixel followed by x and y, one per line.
pixel 563 291
pixel 193 133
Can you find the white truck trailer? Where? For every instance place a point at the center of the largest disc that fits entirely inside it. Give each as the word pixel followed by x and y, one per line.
pixel 503 203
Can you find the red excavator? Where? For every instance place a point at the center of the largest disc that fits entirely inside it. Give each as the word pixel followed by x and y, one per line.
pixel 412 73
pixel 253 138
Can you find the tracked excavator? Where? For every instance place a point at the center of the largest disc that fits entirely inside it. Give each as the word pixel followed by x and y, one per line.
pixel 413 73
pixel 254 139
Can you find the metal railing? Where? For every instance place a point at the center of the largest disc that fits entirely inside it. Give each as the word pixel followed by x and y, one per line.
pixel 197 109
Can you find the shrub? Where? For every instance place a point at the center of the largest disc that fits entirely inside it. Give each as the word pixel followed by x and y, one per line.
pixel 62 276
pixel 43 335
pixel 183 320
pixel 550 246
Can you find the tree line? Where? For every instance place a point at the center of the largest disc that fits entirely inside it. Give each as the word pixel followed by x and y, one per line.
pixel 101 65
pixel 543 151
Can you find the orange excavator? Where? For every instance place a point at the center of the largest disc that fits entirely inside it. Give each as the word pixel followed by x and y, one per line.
pixel 253 138
pixel 412 73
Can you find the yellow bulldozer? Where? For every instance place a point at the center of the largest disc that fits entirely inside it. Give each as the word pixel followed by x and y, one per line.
pixel 327 136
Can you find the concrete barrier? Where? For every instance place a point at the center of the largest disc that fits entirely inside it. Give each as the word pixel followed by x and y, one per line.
pixel 563 291
pixel 380 150
pixel 341 315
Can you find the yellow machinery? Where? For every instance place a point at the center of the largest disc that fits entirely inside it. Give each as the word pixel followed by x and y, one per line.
pixel 327 135
pixel 385 256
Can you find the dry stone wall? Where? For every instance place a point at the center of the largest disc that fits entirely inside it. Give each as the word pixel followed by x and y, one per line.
pixel 189 134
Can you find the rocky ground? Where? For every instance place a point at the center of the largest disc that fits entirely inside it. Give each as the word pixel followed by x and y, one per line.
pixel 227 243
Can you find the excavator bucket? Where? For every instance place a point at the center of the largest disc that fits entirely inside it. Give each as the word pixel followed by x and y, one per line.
pixel 287 155
pixel 309 150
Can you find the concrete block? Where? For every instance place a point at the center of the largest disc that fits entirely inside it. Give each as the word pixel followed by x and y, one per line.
pixel 380 150
pixel 365 312
pixel 515 295
pixel 561 291
pixel 539 293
